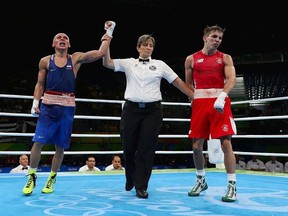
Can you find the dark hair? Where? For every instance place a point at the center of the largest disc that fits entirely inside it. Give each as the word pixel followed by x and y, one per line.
pixel 113 157
pixel 90 156
pixel 209 29
pixel 143 39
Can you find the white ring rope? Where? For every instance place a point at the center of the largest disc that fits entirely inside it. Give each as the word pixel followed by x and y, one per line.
pixel 166 103
pixel 281 117
pixel 160 136
pixel 164 119
pixel 121 152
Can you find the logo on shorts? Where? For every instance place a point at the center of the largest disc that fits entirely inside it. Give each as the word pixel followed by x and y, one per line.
pixel 225 128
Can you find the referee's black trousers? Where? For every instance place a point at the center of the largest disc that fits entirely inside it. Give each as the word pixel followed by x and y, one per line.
pixel 139 130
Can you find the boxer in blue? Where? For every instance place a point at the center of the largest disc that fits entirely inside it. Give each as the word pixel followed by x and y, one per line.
pixel 56 83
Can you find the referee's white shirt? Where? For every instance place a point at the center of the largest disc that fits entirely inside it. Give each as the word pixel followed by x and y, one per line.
pixel 144 79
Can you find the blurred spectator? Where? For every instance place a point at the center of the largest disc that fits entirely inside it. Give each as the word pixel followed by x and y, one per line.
pixel 274 165
pixel 90 165
pixel 23 165
pixel 240 164
pixel 255 164
pixel 286 167
pixel 116 164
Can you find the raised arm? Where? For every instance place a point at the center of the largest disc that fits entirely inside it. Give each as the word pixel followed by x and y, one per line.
pixel 107 61
pixel 93 55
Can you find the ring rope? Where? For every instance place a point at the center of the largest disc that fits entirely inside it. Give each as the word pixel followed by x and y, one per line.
pixel 160 136
pixel 164 103
pixel 121 152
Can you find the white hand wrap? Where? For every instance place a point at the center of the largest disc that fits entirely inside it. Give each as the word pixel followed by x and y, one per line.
pixel 34 107
pixel 109 27
pixel 220 102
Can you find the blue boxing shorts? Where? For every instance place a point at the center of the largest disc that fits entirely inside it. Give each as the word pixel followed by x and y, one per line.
pixel 54 125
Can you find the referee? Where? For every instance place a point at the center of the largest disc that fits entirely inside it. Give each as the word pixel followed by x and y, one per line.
pixel 142 112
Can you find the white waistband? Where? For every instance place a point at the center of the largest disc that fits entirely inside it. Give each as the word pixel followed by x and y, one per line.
pixel 207 93
pixel 63 100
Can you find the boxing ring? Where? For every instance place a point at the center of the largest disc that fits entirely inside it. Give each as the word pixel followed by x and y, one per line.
pixel 103 193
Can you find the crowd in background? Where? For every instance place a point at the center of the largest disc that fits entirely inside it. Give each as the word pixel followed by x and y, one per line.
pixel 91 163
pixel 254 163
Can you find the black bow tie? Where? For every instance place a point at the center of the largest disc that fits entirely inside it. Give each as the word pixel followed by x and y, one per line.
pixel 23 168
pixel 143 60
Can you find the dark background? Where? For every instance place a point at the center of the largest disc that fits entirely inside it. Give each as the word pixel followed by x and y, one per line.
pixel 28 28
